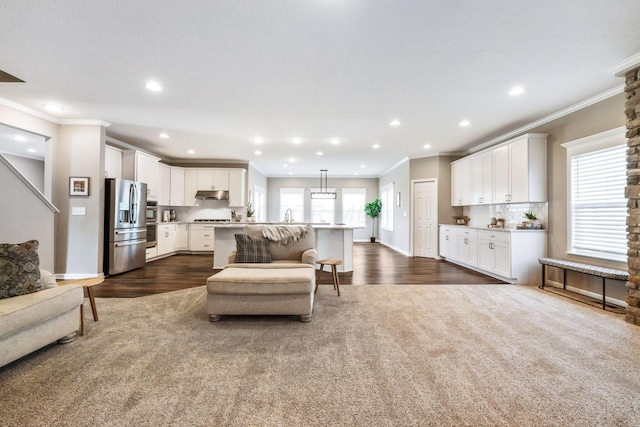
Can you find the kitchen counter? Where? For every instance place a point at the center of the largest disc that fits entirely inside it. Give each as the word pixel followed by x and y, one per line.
pixel 332 241
pixel 510 230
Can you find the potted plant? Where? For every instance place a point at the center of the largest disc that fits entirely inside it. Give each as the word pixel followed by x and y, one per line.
pixel 250 212
pixel 373 210
pixel 533 219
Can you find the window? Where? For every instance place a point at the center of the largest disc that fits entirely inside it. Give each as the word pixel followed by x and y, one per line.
pixel 292 198
pixel 353 201
pixel 597 204
pixel 323 210
pixel 386 216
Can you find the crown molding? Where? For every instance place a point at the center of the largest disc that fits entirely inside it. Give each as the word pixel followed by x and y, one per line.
pixel 404 160
pixel 565 112
pixel 85 122
pixel 27 110
pixel 626 65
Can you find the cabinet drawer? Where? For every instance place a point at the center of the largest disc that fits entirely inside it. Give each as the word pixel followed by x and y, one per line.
pixel 448 229
pixel 151 252
pixel 496 236
pixel 469 233
pixel 201 245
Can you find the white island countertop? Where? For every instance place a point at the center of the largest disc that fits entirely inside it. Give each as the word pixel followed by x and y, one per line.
pixel 333 241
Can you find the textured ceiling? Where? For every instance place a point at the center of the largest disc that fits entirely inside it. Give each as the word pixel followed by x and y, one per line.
pixel 314 69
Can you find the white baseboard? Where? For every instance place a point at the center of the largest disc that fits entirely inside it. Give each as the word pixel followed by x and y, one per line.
pixel 395 249
pixel 77 276
pixel 590 294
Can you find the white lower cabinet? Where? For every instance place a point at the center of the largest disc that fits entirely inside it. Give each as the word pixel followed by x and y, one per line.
pixel 166 238
pixel 511 255
pixel 494 252
pixel 152 252
pixel 468 246
pixel 182 237
pixel 201 237
pixel 448 242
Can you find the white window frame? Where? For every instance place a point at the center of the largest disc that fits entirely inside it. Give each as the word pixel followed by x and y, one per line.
pixel 601 141
pixel 386 215
pixel 297 211
pixel 351 210
pixel 319 205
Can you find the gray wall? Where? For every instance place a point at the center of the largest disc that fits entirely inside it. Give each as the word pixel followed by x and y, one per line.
pixel 273 196
pixel 25 217
pixel 79 239
pixel 399 238
pixel 32 169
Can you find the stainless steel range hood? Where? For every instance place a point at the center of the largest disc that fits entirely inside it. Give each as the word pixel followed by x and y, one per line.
pixel 212 195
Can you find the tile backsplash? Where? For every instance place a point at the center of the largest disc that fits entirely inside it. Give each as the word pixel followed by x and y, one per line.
pixel 513 213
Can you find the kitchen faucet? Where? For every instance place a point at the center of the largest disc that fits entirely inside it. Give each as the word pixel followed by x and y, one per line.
pixel 288 215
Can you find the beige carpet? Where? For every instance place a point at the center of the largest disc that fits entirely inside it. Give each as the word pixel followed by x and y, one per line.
pixel 378 355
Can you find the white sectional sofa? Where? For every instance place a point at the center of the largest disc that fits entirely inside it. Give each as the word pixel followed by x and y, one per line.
pixel 31 321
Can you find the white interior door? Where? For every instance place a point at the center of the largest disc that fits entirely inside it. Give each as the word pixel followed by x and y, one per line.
pixel 425 229
pixel 259 203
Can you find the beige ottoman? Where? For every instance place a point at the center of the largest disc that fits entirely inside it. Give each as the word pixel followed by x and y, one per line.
pixel 259 289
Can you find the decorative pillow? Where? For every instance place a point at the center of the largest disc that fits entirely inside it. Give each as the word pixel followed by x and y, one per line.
pixel 19 269
pixel 252 249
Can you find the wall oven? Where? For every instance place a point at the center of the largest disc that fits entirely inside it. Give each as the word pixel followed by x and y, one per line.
pixel 152 235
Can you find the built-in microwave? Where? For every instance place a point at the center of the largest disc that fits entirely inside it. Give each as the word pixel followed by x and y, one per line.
pixel 152 211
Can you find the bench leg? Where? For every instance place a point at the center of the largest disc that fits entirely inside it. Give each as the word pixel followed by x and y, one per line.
pixel 305 318
pixel 564 279
pixel 604 305
pixel 543 276
pixel 214 317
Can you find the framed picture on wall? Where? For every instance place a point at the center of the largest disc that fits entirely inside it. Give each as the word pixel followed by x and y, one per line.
pixel 79 186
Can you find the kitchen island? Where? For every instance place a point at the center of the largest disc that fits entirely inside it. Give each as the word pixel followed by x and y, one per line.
pixel 332 241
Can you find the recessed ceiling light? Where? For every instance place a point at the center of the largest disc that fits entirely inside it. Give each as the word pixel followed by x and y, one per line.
pixel 285 165
pixel 465 123
pixel 335 141
pixel 164 135
pixel 518 90
pixel 291 160
pixel 355 173
pixel 426 146
pixel 296 140
pixel 191 152
pixel 19 138
pixel 257 152
pixel 375 146
pixel 53 108
pixel 395 123
pixel 153 86
pixel 319 153
pixel 31 150
pixel 258 140
pixel 362 166
pixel 290 173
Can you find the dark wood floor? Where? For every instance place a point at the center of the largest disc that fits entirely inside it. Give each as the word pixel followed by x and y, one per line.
pixel 373 264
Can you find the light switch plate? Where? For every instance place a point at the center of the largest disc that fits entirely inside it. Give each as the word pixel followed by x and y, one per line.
pixel 78 211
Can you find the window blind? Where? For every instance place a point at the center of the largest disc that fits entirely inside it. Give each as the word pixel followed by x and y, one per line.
pixel 598 204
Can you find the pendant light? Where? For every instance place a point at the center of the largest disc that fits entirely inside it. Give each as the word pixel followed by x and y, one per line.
pixel 324 192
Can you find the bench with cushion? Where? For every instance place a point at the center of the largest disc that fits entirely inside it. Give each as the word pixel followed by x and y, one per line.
pixel 593 270
pixel 266 277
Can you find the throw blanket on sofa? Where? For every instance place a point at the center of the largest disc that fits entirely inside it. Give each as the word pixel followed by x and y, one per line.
pixel 283 234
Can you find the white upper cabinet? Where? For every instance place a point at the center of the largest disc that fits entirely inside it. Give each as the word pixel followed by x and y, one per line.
pixel 520 170
pixel 139 166
pixel 205 179
pixel 461 182
pixel 190 186
pixel 221 179
pixel 164 184
pixel 112 162
pixel 177 186
pixel 513 172
pixel 482 179
pixel 237 178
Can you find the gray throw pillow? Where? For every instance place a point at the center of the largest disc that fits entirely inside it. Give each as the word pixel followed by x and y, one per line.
pixel 19 269
pixel 252 249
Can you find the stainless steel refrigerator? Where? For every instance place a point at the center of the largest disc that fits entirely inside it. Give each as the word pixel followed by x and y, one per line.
pixel 125 225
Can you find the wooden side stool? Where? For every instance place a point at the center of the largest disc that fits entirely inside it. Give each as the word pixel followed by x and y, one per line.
pixel 334 272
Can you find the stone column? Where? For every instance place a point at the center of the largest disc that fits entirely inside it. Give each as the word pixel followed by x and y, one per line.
pixel 632 111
